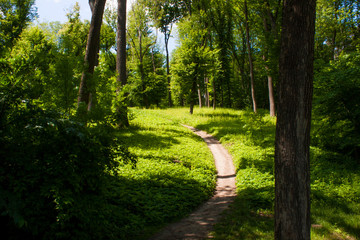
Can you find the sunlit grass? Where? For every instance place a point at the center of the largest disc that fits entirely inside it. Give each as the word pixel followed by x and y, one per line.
pixel 250 139
pixel 174 174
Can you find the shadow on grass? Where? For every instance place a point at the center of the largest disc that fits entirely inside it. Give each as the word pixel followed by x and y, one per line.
pixel 260 133
pixel 335 212
pixel 244 220
pixel 331 215
pixel 145 139
pixel 143 206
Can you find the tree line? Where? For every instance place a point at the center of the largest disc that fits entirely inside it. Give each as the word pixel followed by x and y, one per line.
pixel 234 54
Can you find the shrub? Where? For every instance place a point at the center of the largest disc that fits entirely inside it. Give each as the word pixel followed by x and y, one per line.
pixel 53 175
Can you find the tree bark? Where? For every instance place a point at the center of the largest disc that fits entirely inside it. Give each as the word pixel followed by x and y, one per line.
pixel 292 171
pixel 121 43
pixel 207 97
pixel 167 34
pixel 121 58
pixel 250 58
pixel 271 90
pixel 92 51
pixel 271 96
pixel 200 98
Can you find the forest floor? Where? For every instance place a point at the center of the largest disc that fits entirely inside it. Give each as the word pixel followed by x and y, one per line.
pixel 199 224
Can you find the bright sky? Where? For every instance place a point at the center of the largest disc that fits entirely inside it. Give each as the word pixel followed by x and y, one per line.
pixel 55 10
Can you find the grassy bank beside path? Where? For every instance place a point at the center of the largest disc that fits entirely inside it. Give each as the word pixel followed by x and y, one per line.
pixel 174 174
pixel 335 179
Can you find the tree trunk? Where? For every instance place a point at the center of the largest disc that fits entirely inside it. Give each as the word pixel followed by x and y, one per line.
pixel 271 96
pixel 292 171
pixel 121 58
pixel 271 90
pixel 207 97
pixel 200 98
pixel 92 51
pixel 193 96
pixel 214 97
pixel 167 36
pixel 250 58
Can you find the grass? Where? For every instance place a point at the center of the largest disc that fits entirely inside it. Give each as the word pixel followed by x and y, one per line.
pixel 174 174
pixel 335 179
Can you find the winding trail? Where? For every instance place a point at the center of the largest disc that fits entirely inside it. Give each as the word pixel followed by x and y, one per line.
pixel 198 224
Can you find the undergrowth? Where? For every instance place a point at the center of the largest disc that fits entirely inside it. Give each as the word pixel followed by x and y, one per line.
pixel 174 174
pixel 335 178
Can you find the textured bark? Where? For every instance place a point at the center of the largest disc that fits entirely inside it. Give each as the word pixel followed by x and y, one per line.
pixel 121 43
pixel 121 59
pixel 92 51
pixel 250 58
pixel 292 172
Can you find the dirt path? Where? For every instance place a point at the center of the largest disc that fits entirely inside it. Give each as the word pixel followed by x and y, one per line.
pixel 198 224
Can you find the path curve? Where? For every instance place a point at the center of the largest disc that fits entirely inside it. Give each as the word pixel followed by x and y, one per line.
pixel 198 224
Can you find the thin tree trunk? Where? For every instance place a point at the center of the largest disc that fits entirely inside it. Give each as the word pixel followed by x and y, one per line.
pixel 167 36
pixel 200 98
pixel 92 51
pixel 207 97
pixel 250 58
pixel 121 58
pixel 193 96
pixel 271 96
pixel 292 157
pixel 214 99
pixel 271 90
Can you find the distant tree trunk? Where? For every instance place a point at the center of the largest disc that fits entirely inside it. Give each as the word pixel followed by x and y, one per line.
pixel 193 97
pixel 214 97
pixel 200 98
pixel 271 90
pixel 207 97
pixel 271 96
pixel 292 160
pixel 167 34
pixel 92 51
pixel 121 58
pixel 250 57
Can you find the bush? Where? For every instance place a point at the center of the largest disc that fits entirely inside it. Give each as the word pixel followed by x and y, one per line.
pixel 53 176
pixel 336 105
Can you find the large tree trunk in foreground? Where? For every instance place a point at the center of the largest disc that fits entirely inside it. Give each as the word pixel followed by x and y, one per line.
pixel 121 59
pixel 92 51
pixel 292 172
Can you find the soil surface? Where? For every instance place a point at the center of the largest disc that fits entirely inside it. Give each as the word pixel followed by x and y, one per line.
pixel 199 224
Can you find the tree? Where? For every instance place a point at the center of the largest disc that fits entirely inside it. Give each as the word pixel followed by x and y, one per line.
pixel 270 17
pixel 250 57
pixel 292 158
pixel 194 61
pixel 71 38
pixel 164 14
pixel 146 75
pixel 91 55
pixel 121 61
pixel 14 17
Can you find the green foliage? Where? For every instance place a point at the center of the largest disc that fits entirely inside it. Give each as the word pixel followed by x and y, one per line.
pixel 193 61
pixel 174 174
pixel 250 140
pixel 14 17
pixel 147 78
pixel 54 176
pixel 337 98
